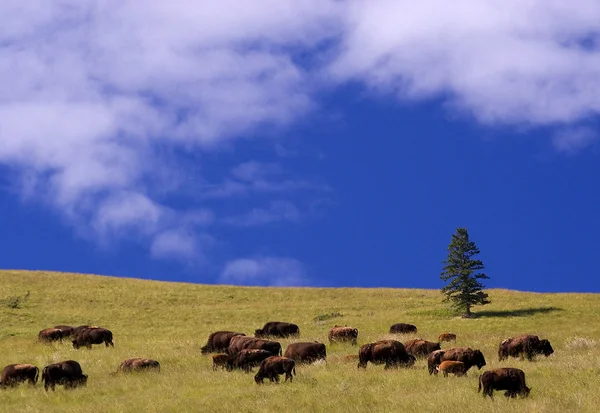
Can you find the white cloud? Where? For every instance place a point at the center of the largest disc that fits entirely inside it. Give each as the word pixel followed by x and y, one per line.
pixel 573 140
pixel 273 271
pixel 181 245
pixel 277 211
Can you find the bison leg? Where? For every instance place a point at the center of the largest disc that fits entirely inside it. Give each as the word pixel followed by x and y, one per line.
pixel 445 373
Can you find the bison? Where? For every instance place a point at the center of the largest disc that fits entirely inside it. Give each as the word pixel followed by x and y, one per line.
pixel 14 374
pixel 455 367
pixel 219 341
pixel 94 335
pixel 239 343
pixel 220 360
pixel 306 352
pixel 343 334
pixel 390 352
pixel 67 331
pixel 246 359
pixel 421 348
pixel 447 337
pixel 277 329
pixel 467 355
pixel 273 366
pixel 68 373
pixel 138 364
pixel 508 378
pixel 524 346
pixel 50 334
pixel 402 328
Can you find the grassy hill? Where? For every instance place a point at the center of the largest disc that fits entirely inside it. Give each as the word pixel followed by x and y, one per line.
pixel 171 321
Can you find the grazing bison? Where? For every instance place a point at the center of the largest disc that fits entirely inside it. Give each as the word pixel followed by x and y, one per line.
pixel 524 346
pixel 277 329
pixel 50 334
pixel 342 334
pixel 455 367
pixel 68 373
pixel 467 355
pixel 67 331
pixel 273 366
pixel 95 335
pixel 239 343
pixel 447 337
pixel 390 352
pixel 219 341
pixel 14 374
pixel 137 364
pixel 220 360
pixel 420 348
pixel 246 359
pixel 402 328
pixel 508 378
pixel 306 352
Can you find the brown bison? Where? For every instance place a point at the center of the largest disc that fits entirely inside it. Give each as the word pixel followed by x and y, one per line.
pixel 467 355
pixel 390 352
pixel 246 359
pixel 94 335
pixel 455 367
pixel 278 329
pixel 239 343
pixel 508 378
pixel 14 374
pixel 138 364
pixel 68 373
pixel 339 334
pixel 219 341
pixel 273 366
pixel 402 328
pixel 524 346
pixel 306 352
pixel 67 331
pixel 421 348
pixel 447 337
pixel 50 334
pixel 220 360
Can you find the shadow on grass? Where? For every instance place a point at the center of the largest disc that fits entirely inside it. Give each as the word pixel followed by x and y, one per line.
pixel 522 312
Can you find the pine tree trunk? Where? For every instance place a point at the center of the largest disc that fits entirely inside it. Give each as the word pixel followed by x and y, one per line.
pixel 467 312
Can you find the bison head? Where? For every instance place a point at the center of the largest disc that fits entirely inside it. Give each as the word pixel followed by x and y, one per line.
pixel 204 349
pixel 546 348
pixel 259 333
pixel 75 344
pixel 410 361
pixel 478 359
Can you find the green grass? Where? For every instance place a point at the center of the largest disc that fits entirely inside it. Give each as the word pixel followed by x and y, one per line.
pixel 169 322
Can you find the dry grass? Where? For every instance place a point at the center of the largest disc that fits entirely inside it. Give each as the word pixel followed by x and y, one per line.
pixel 170 321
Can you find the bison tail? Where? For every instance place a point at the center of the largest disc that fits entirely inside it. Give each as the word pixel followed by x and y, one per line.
pixel 479 387
pixel 37 375
pixel 45 374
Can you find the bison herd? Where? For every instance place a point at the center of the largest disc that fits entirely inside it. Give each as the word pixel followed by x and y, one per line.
pixel 236 350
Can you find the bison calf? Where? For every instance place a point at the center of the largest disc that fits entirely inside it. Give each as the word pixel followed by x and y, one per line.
pixel 273 366
pixel 220 360
pixel 447 337
pixel 508 378
pixel 455 367
pixel 14 374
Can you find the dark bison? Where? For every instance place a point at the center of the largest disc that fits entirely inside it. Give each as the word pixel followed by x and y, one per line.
pixel 447 337
pixel 137 364
pixel 390 352
pixel 246 359
pixel 14 374
pixel 342 334
pixel 50 334
pixel 508 378
pixel 467 355
pixel 306 352
pixel 219 341
pixel 421 348
pixel 455 367
pixel 524 346
pixel 278 329
pixel 67 331
pixel 94 335
pixel 402 328
pixel 239 343
pixel 68 373
pixel 220 360
pixel 273 366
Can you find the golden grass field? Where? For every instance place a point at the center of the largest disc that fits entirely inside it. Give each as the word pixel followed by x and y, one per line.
pixel 169 322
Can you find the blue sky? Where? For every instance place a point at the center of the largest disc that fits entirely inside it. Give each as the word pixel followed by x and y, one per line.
pixel 319 143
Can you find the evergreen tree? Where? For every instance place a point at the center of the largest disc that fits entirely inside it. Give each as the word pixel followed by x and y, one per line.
pixel 462 271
